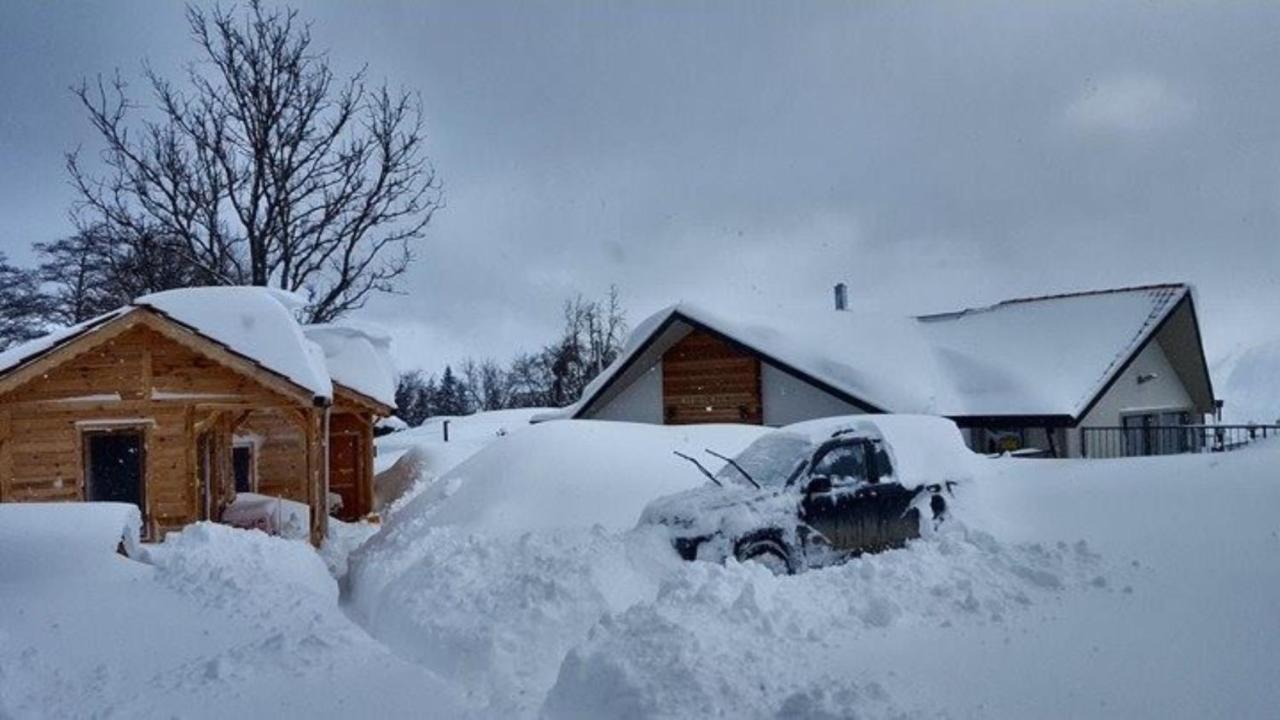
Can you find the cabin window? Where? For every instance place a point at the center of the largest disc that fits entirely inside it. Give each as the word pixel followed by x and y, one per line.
pixel 114 462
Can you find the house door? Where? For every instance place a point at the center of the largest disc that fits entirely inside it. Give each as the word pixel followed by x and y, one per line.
pixel 114 466
pixel 344 474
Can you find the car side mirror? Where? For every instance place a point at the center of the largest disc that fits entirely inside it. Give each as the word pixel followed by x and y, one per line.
pixel 817 486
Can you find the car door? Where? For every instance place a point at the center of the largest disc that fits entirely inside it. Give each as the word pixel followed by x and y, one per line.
pixel 845 502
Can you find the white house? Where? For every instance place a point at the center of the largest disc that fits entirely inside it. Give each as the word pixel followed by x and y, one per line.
pixel 1024 373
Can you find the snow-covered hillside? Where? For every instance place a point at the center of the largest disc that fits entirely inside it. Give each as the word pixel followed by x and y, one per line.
pixel 517 585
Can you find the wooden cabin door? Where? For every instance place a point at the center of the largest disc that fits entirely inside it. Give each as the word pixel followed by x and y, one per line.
pixel 345 473
pixel 114 462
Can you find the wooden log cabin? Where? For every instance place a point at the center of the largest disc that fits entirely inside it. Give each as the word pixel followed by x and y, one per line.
pixel 184 399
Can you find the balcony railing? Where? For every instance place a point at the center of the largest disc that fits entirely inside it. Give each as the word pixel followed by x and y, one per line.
pixel 1120 441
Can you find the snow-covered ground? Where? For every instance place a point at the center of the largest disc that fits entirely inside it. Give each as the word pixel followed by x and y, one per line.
pixel 516 584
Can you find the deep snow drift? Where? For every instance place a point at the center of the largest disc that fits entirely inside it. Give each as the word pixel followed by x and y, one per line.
pixel 1116 588
pixel 218 622
pixel 1063 584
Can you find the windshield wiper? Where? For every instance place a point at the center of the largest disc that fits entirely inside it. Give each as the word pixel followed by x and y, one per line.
pixel 698 465
pixel 736 466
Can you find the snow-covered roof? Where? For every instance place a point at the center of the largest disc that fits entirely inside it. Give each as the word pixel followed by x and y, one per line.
pixel 358 356
pixel 21 353
pixel 255 322
pixel 259 324
pixel 1045 356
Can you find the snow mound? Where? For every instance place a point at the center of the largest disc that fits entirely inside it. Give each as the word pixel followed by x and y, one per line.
pixel 575 473
pixel 219 565
pixel 737 641
pixel 42 539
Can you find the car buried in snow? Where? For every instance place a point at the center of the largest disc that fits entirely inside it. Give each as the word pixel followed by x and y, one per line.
pixel 819 492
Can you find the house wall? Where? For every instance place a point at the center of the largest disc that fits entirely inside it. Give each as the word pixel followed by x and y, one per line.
pixel 784 398
pixel 1165 392
pixel 280 453
pixel 640 401
pixel 788 399
pixel 138 377
pixel 707 380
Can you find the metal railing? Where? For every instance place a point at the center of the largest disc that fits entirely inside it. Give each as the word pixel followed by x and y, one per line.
pixel 1142 441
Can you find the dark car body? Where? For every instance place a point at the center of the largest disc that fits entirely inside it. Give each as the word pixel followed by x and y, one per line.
pixel 842 497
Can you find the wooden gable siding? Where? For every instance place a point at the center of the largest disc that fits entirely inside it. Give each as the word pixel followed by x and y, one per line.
pixel 706 380
pixel 141 377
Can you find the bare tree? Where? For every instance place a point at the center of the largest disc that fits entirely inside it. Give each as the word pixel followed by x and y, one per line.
pixel 266 168
pixel 90 272
pixel 22 307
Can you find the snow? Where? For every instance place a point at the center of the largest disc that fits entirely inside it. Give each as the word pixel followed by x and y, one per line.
pixel 1125 588
pixel 253 322
pixel 411 458
pixel 392 423
pixel 222 623
pixel 1248 384
pixel 358 356
pixel 1039 356
pixel 499 566
pixel 272 515
pixel 924 449
pixel 40 536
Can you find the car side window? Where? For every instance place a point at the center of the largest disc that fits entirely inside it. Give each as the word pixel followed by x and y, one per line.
pixel 844 462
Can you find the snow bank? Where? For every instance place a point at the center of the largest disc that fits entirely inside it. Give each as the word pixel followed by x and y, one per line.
pixel 736 641
pixel 574 473
pixel 220 564
pixel 47 538
pixel 473 431
pixel 495 570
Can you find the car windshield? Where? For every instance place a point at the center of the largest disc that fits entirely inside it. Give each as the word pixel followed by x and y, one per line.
pixel 841 460
pixel 769 460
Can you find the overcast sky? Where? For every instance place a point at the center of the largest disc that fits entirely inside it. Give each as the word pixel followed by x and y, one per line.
pixel 932 155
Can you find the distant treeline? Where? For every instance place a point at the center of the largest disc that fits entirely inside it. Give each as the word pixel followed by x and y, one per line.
pixel 554 376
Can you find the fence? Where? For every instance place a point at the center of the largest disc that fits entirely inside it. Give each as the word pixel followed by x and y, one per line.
pixel 1140 441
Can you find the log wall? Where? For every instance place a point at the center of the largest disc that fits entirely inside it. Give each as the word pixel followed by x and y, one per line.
pixel 706 380
pixel 141 377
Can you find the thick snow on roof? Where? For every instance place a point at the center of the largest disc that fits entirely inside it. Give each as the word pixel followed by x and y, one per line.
pixel 358 356
pixel 252 321
pixel 1043 356
pixel 1036 356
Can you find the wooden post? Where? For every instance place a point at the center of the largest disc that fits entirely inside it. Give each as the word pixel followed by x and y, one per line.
pixel 319 503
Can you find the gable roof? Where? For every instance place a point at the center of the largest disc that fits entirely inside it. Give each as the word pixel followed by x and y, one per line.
pixel 1048 356
pixel 256 325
